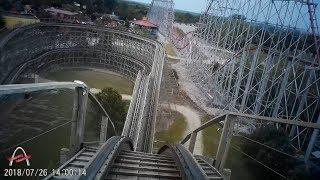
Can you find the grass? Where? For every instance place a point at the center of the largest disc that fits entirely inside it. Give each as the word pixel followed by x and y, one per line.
pixel 170 49
pixel 173 134
pixel 210 138
pixel 93 79
pixel 12 22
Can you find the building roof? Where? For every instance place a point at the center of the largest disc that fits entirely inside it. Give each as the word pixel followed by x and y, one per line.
pixel 54 10
pixel 145 23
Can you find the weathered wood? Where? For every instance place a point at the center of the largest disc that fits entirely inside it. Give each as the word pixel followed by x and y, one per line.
pixel 224 142
pixel 78 120
pixel 104 129
pixel 192 141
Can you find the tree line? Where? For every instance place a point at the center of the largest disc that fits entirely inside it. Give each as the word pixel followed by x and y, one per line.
pixel 266 34
pixel 186 17
pixel 116 108
pixel 124 9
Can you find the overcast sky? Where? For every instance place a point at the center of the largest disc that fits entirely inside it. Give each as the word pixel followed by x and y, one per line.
pixel 188 5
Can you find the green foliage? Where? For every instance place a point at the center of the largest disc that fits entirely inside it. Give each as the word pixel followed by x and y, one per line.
pixel 130 11
pixel 110 5
pixel 273 137
pixel 99 6
pixel 125 10
pixel 174 133
pixel 89 7
pixel 238 16
pixel 300 173
pixel 185 17
pixel 112 102
pixel 127 24
pixel 268 34
pixel 37 3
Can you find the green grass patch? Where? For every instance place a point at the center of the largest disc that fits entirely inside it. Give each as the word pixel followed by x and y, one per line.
pixel 173 134
pixel 93 79
pixel 210 138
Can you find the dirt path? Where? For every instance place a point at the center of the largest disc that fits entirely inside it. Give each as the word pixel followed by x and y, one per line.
pixel 193 119
pixel 126 97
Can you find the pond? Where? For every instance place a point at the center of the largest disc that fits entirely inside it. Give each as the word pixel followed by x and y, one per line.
pixel 49 114
pixel 94 79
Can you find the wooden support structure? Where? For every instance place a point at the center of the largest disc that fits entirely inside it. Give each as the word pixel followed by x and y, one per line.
pixel 104 129
pixel 192 141
pixel 78 120
pixel 224 143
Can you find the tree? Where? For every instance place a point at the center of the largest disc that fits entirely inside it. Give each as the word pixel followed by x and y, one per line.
pixel 273 137
pixel 99 6
pixel 110 5
pixel 89 7
pixel 5 5
pixel 238 16
pixel 186 17
pixel 112 102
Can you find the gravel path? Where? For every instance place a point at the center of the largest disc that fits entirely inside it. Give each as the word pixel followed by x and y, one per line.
pixel 193 119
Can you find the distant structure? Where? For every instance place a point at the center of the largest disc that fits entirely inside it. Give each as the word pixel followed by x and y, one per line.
pixel 109 20
pixel 145 25
pixel 63 15
pixel 262 58
pixel 161 13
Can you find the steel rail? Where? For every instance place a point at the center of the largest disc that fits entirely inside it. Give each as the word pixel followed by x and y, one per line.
pixel 186 162
pixel 27 88
pixel 229 119
pixel 101 162
pixel 120 143
pixel 217 119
